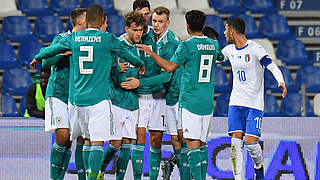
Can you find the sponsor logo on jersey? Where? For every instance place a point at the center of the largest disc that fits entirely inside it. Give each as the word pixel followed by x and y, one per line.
pixel 247 58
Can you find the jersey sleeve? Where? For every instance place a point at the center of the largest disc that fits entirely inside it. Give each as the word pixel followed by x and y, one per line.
pixel 259 51
pixel 118 49
pixel 226 52
pixel 54 59
pixel 163 77
pixel 55 48
pixel 181 55
pixel 116 75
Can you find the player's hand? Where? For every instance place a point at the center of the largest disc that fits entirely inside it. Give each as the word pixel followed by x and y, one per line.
pixel 33 63
pixel 145 48
pixel 132 83
pixel 283 88
pixel 142 70
pixel 67 53
pixel 124 66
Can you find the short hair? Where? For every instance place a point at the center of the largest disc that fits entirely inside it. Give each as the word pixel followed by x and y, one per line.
pixel 134 17
pixel 210 32
pixel 95 13
pixel 162 10
pixel 196 20
pixel 140 4
pixel 45 72
pixel 75 14
pixel 237 24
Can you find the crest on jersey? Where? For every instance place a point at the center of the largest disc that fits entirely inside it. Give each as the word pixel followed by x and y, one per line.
pixel 247 58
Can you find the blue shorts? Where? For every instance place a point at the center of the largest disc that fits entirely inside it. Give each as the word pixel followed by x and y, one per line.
pixel 245 120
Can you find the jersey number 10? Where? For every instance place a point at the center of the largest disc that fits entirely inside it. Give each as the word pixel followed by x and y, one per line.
pixel 88 58
pixel 205 68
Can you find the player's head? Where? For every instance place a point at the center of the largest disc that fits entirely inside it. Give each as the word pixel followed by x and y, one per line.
pixel 234 27
pixel 95 16
pixel 78 19
pixel 44 76
pixel 160 20
pixel 134 26
pixel 195 20
pixel 105 23
pixel 143 7
pixel 210 32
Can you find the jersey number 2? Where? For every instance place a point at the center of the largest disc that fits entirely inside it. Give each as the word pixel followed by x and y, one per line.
pixel 205 68
pixel 83 59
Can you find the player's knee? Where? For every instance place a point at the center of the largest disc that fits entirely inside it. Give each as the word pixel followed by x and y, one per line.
pixel 62 136
pixel 251 140
pixel 175 142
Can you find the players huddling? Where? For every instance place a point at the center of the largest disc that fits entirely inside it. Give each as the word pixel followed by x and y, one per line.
pixel 104 88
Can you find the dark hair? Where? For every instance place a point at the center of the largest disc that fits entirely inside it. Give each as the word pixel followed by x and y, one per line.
pixel 237 24
pixel 139 4
pixel 162 10
pixel 45 72
pixel 210 32
pixel 75 14
pixel 196 20
pixel 134 17
pixel 95 13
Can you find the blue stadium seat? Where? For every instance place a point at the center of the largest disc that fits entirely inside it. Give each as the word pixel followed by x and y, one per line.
pixel 27 50
pixel 227 6
pixel 7 57
pixel 271 108
pixel 17 28
pixel 69 25
pixel 105 4
pixel 115 24
pixel 34 7
pixel 259 6
pixel 291 105
pixel 221 84
pixel 46 27
pixel 293 52
pixel 16 81
pixel 23 106
pixel 216 22
pixel 310 76
pixel 222 105
pixel 64 7
pixel 251 26
pixel 275 27
pixel 9 107
pixel 270 82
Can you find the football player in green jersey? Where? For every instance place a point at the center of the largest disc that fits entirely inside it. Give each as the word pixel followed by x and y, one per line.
pixel 57 119
pixel 197 55
pixel 125 103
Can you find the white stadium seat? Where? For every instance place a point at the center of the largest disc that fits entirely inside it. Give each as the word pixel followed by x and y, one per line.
pixel 9 8
pixel 170 4
pixel 192 4
pixel 316 104
pixel 123 6
pixel 267 45
pixel 178 26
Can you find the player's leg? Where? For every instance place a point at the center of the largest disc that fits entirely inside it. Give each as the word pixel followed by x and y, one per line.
pixel 85 154
pixel 185 168
pixel 252 135
pixel 79 159
pixel 155 138
pixel 236 123
pixel 62 136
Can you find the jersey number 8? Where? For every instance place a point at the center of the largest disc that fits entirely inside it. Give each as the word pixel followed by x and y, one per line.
pixel 205 68
pixel 88 58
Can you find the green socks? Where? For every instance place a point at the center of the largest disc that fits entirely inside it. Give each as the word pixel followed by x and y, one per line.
pixel 56 160
pixel 85 156
pixel 154 162
pixel 137 157
pixel 108 156
pixel 204 161
pixel 95 162
pixel 123 160
pixel 65 163
pixel 194 157
pixel 79 162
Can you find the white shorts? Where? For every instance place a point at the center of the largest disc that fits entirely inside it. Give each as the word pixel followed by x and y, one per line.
pixel 152 111
pixel 125 123
pixel 173 119
pixel 56 114
pixel 75 130
pixel 196 126
pixel 96 122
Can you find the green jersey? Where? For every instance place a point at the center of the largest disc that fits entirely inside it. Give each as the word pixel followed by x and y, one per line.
pixel 198 57
pixel 58 84
pixel 125 99
pixel 91 62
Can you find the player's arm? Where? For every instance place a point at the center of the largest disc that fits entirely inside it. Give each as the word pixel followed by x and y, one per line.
pixel 116 75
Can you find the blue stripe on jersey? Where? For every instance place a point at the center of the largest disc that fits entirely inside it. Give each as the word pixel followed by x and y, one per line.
pixel 242 47
pixel 265 60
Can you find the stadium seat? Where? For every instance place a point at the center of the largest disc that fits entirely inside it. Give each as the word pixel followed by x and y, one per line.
pixel 9 107
pixel 27 50
pixel 267 45
pixel 293 52
pixel 116 24
pixel 271 108
pixel 251 26
pixel 316 104
pixel 216 23
pixel 9 8
pixel 221 84
pixel 105 4
pixel 123 5
pixel 229 6
pixel 270 82
pixel 178 26
pixel 291 105
pixel 275 27
pixel 69 25
pixel 192 4
pixel 34 7
pixel 171 5
pixel 16 81
pixel 23 106
pixel 310 76
pixel 7 57
pixel 259 6
pixel 17 28
pixel 64 7
pixel 46 27
pixel 222 105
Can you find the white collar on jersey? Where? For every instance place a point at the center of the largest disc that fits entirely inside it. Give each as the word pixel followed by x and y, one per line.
pixel 92 29
pixel 163 36
pixel 149 27
pixel 197 37
pixel 123 36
